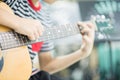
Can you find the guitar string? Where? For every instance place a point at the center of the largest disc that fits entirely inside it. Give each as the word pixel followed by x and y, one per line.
pixel 12 39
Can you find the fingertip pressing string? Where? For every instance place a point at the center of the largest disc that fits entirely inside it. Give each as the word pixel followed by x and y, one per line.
pixel 80 28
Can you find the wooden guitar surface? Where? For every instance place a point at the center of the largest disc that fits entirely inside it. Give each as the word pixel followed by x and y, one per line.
pixel 17 63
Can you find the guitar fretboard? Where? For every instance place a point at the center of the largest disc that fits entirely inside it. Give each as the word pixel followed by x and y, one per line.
pixel 12 39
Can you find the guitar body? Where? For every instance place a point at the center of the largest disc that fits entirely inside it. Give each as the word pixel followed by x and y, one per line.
pixel 17 62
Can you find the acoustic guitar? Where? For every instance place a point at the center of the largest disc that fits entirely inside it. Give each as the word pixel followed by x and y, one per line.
pixel 17 63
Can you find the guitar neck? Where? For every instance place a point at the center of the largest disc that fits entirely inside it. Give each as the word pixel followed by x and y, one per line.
pixel 12 39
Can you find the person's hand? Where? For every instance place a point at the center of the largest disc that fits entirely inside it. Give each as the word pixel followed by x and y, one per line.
pixel 29 27
pixel 87 30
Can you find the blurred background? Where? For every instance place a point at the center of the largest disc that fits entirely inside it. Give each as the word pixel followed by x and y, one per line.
pixel 104 61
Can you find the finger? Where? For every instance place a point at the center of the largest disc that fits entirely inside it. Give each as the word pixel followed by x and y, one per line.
pixel 91 26
pixel 31 36
pixel 84 29
pixel 86 39
pixel 42 27
pixel 80 28
pixel 87 29
pixel 88 23
pixel 36 34
pixel 92 29
pixel 80 25
pixel 40 30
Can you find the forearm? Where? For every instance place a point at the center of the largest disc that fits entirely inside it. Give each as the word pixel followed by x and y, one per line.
pixel 63 62
pixel 8 19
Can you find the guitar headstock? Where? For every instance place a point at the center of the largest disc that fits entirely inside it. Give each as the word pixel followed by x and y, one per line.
pixel 102 23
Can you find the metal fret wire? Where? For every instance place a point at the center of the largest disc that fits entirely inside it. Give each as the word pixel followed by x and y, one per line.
pixel 12 39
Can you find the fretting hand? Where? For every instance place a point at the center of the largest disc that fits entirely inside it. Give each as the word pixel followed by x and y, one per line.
pixel 87 32
pixel 29 27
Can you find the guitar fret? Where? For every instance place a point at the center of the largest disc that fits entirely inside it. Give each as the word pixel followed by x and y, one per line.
pixel 24 38
pixel 73 29
pixel 27 41
pixel 52 33
pixel 3 40
pixel 76 28
pixel 61 30
pixel 56 33
pixel 45 35
pixel 8 39
pixel 69 30
pixel 48 34
pixel 64 30
pixel 12 39
pixel 17 39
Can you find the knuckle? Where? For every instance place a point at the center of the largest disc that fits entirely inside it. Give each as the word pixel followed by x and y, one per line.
pixel 31 37
pixel 30 34
pixel 89 30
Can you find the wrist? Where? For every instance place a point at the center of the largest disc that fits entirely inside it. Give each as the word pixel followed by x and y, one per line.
pixel 84 53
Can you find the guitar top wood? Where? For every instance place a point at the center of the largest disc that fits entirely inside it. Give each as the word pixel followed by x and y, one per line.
pixel 17 62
